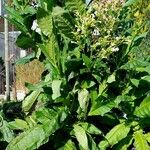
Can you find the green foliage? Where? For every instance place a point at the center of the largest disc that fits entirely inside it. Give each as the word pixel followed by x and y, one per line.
pixel 94 93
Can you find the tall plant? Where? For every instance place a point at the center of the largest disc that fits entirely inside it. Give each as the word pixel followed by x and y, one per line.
pixel 94 93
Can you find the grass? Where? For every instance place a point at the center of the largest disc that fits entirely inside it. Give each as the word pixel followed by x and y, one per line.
pixel 30 73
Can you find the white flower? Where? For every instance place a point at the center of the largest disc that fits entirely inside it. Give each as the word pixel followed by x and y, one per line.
pixel 35 27
pixel 78 30
pixel 38 30
pixel 117 38
pixel 115 49
pixel 96 32
pixel 125 116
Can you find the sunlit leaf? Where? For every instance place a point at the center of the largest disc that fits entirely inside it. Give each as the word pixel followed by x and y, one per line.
pixel 140 142
pixel 30 100
pixel 116 134
pixel 81 136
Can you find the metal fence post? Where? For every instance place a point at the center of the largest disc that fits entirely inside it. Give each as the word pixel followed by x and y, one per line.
pixel 7 61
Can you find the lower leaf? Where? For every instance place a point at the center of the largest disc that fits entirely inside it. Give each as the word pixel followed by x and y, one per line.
pixel 140 142
pixel 115 135
pixel 38 135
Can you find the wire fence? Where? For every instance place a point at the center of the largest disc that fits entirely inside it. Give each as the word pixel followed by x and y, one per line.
pixel 14 53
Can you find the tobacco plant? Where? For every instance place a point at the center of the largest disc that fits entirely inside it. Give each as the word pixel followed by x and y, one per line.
pixel 95 91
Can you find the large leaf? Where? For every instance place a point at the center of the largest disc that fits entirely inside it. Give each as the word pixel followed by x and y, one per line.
pixel 88 62
pixel 5 131
pixel 81 136
pixel 30 100
pixel 147 136
pixel 56 85
pixel 64 22
pixel 38 135
pixel 26 59
pixel 15 15
pixel 15 18
pixel 90 128
pixel 68 146
pixel 111 78
pixel 46 4
pixel 134 64
pixel 102 109
pixel 144 109
pixel 76 5
pixel 48 50
pixel 144 69
pixel 115 135
pixel 45 22
pixel 83 98
pixel 18 124
pixel 44 115
pixel 140 142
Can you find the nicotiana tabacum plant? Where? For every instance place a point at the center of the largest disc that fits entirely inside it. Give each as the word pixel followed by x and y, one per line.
pixel 95 92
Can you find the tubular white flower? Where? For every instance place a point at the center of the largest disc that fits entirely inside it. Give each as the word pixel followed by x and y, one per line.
pixel 115 49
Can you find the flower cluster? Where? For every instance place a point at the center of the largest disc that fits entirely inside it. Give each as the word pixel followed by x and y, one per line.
pixel 96 27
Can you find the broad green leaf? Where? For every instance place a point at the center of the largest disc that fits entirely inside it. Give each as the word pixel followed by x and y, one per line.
pixel 87 84
pixel 31 120
pixel 134 64
pixel 68 146
pixel 144 109
pixel 88 62
pixel 30 139
pixel 64 22
pixel 115 135
pixel 140 142
pixel 111 78
pixel 102 87
pixel 45 22
pixel 15 15
pixel 28 10
pixel 16 3
pixel 5 131
pixel 18 124
pixel 15 18
pixel 30 100
pixel 26 59
pixel 38 135
pixel 44 115
pixel 144 69
pixel 102 109
pixel 51 50
pixel 76 5
pixel 48 50
pixel 147 137
pixel 81 136
pixel 46 4
pixel 137 40
pixel 90 128
pixel 37 86
pixel 135 82
pixel 146 78
pixel 56 85
pixel 83 98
